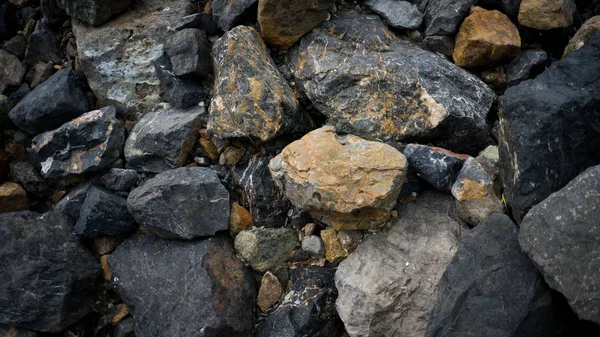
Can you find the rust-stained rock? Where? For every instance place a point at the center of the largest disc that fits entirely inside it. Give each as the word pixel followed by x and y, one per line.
pixel 240 219
pixel 343 180
pixel 589 28
pixel 485 39
pixel 209 148
pixel 13 198
pixel 269 292
pixel 546 14
pixel 334 250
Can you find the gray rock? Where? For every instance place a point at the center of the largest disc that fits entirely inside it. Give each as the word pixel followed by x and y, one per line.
pixel 399 14
pixel 229 13
pixel 53 13
pixel 118 179
pixel 125 328
pixel 265 248
pixel 202 21
pixel 439 44
pixel 435 165
pixel 103 213
pixel 43 45
pixel 443 17
pixel 179 92
pixel 16 46
pixel 184 203
pixel 526 65
pixel 392 277
pixel 71 203
pixel 94 12
pixel 11 331
pixel 562 237
pixel 26 175
pixel 184 288
pixel 10 101
pixel 48 276
pixel 313 245
pixel 12 71
pixel 508 7
pixel 189 52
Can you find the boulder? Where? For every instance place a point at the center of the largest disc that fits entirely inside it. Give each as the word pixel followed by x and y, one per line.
pixel 88 143
pixel 118 179
pixel 353 69
pixel 265 248
pixel 343 180
pixel 52 103
pixel 94 12
pixel 546 14
pixel 43 45
pixel 562 237
pixel 435 165
pixel 526 65
pixel 269 292
pixel 48 275
pixel 230 13
pixel 589 28
pixel 13 198
pixel 179 92
pixel 443 17
pixel 388 286
pixel 183 203
pixel 251 98
pixel 398 14
pixel 12 71
pixel 189 52
pixel 103 213
pixel 184 288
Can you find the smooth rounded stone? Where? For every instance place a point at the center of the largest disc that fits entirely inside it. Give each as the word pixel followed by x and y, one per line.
pixel 11 331
pixel 239 220
pixel 435 165
pixel 265 248
pixel 103 213
pixel 353 68
pixel 398 14
pixel 48 275
pixel 94 12
pixel 52 103
pixel 183 203
pixel 251 98
pixel 562 237
pixel 439 44
pixel 589 28
pixel 71 203
pixel 393 277
pixel 283 22
pixel 118 179
pixel 178 92
pixel 491 288
pixel 334 250
pixel 526 65
pixel 26 175
pixel 12 71
pixel 86 144
pixel 548 128
pixel 486 38
pixel 189 52
pixel 313 245
pixel 230 13
pixel 184 288
pixel 546 14
pixel 163 138
pixel 269 292
pixel 343 180
pixel 43 45
pixel 13 198
pixel 443 17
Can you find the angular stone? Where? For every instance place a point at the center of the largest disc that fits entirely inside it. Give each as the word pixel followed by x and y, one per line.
pixel 240 219
pixel 398 14
pixel 16 46
pixel 12 71
pixel 251 98
pixel 265 248
pixel 53 12
pixel 490 160
pixel 189 52
pixel 269 292
pixel 334 250
pixel 41 72
pixel 179 92
pixel 125 328
pixel 184 288
pixel 71 203
pixel 229 13
pixel 392 277
pixel 589 28
pixel 10 101
pixel 526 65
pixel 344 181
pixel 313 245
pixel 439 44
pixel 88 143
pixel 353 69
pixel 508 7
pixel 103 213
pixel 546 14
pixel 184 203
pixel 443 17
pixel 52 103
pixel 118 179
pixel 48 275
pixel 203 21
pixel 562 237
pixel 26 175
pixel 13 198
pixel 43 45
pixel 163 138
pixel 435 165
pixel 94 12
pixel 495 78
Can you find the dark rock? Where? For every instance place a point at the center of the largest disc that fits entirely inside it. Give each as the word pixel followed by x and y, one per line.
pixel 184 288
pixel 266 248
pixel 181 93
pixel 43 45
pixel 125 328
pixel 549 128
pixel 189 52
pixel 71 203
pixel 94 12
pixel 11 331
pixel 435 165
pixel 40 73
pixel 53 12
pixel 439 44
pixel 562 237
pixel 7 103
pixel 16 46
pixel 118 179
pixel 491 288
pixel 52 103
pixel 202 21
pixel 103 213
pixel 12 71
pixel 443 17
pixel 183 203
pixel 508 7
pixel 48 275
pixel 230 13
pixel 526 65
pixel 26 175
pixel 398 14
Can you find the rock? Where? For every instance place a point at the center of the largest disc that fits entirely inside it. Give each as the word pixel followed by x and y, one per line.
pixel 561 235
pixel 230 13
pixel 269 293
pixel 48 275
pixel 240 219
pixel 16 46
pixel 495 287
pixel 508 7
pixel 526 65
pixel 392 277
pixel 548 130
pixel 125 328
pixel 350 240
pixel 118 57
pixel 13 198
pixel 209 148
pixel 495 78
pixel 105 244
pixel 103 213
pixel 88 143
pixel 184 203
pixel 181 93
pixel 344 181
pixel 94 12
pixel 189 52
pixel 313 245
pixel 52 103
pixel 442 104
pixel 43 45
pixel 486 38
pixel 282 23
pixel 53 13
pixel 546 14
pixel 398 14
pixel 437 166
pixel 71 203
pixel 443 17
pixel 8 102
pixel 26 175
pixel 334 251
pixel 118 179
pixel 202 21
pixel 439 44
pixel 490 160
pixel 187 288
pixel 231 156
pixel 11 331
pixel 251 98
pixel 265 248
pixel 12 71
pixel 589 28
pixel 41 72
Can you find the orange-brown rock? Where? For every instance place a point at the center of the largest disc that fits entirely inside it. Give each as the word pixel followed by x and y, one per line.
pixel 269 292
pixel 240 219
pixel 485 39
pixel 589 28
pixel 334 250
pixel 13 198
pixel 546 14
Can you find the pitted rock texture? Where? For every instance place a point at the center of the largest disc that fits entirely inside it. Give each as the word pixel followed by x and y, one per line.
pixel 546 14
pixel 94 12
pixel 266 248
pixel 344 181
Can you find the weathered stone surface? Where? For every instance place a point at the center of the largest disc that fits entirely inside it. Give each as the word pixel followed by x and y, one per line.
pixel 334 250
pixel 437 166
pixel 439 44
pixel 240 219
pixel 13 198
pixel 398 14
pixel 118 179
pixel 443 17
pixel 265 248
pixel 88 143
pixel 485 39
pixel 203 21
pixel 546 14
pixel 313 245
pixel 251 98
pixel 548 128
pixel 162 139
pixel 53 13
pixel 344 181
pixel 11 331
pixel 189 52
pixel 94 12
pixel 491 288
pixel 52 103
pixel 353 69
pixel 184 203
pixel 41 72
pixel 48 275
pixel 103 213
pixel 392 278
pixel 229 13
pixel 184 288
pixel 269 293
pixel 26 175
pixel 526 65
pixel 12 71
pixel 283 22
pixel 562 237
pixel 495 78
pixel 125 328
pixel 16 46
pixel 179 92
pixel 508 7
pixel 71 203
pixel 43 45
pixel 589 28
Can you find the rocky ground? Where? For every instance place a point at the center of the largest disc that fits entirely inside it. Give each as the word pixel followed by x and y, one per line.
pixel 300 168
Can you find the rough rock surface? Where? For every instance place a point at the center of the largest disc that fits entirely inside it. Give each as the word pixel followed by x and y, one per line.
pixel 437 166
pixel 269 292
pixel 184 288
pixel 589 28
pixel 239 220
pixel 344 181
pixel 11 331
pixel 508 7
pixel 265 248
pixel 43 45
pixel 189 52
pixel 546 14
pixel 118 179
pixel 313 245
pixel 398 14
pixel 13 198
pixel 12 71
pixel 526 65
pixel 334 250
pixel 562 237
pixel 71 203
pixel 443 17
pixel 94 12
pixel 48 275
pixel 180 92
pixel 26 175
pixel 388 286
pixel 103 213
pixel 229 13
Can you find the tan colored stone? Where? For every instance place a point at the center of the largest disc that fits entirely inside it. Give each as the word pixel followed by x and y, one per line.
pixel 209 148
pixel 334 250
pixel 589 28
pixel 106 273
pixel 485 38
pixel 122 312
pixel 546 14
pixel 344 181
pixel 231 156
pixel 309 228
pixel 269 292
pixel 104 244
pixel 240 219
pixel 13 198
